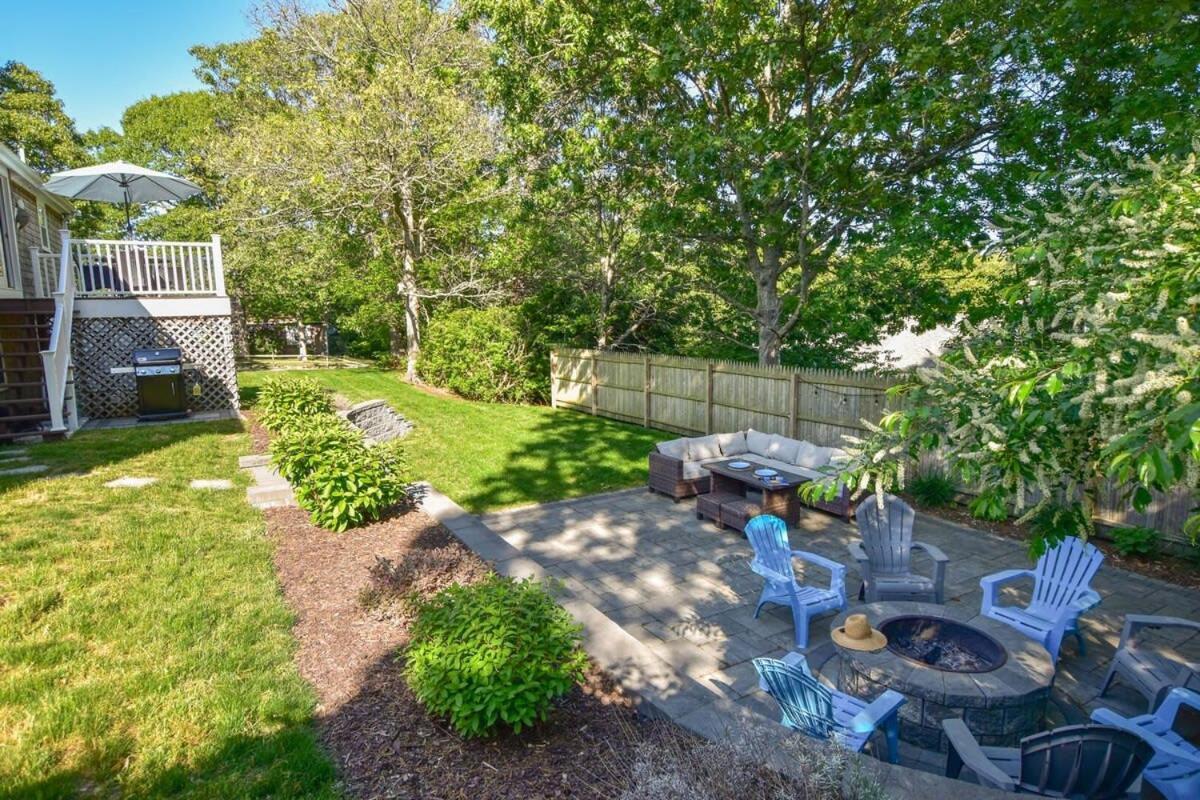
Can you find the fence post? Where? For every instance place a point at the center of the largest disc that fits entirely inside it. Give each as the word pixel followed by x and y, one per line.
pixel 793 405
pixel 595 382
pixel 708 398
pixel 646 393
pixel 554 379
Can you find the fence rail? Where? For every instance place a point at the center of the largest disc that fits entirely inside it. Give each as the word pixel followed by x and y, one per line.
pixel 110 268
pixel 694 396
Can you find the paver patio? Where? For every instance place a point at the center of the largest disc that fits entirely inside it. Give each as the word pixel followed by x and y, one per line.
pixel 685 589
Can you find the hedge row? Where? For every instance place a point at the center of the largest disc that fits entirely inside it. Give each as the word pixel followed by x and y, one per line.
pixel 340 480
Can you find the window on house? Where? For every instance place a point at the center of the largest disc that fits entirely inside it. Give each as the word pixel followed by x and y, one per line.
pixel 8 253
pixel 44 225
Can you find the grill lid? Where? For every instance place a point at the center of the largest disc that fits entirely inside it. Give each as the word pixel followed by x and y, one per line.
pixel 162 355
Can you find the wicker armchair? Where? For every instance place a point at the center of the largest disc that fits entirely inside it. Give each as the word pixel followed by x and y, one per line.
pixel 666 477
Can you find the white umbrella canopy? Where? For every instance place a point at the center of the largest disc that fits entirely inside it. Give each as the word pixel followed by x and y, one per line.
pixel 121 182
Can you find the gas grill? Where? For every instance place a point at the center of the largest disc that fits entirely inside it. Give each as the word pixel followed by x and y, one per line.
pixel 159 377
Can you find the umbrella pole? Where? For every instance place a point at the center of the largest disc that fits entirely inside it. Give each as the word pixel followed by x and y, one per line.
pixel 128 221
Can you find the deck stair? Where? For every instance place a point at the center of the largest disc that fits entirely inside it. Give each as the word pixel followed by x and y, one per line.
pixel 24 332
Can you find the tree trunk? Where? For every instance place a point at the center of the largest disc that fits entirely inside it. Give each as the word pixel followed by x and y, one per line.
pixel 403 201
pixel 766 310
pixel 607 286
pixel 412 317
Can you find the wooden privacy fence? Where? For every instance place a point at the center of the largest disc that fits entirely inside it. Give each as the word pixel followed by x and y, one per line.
pixel 694 396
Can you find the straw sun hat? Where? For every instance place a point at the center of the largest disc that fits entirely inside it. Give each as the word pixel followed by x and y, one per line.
pixel 857 634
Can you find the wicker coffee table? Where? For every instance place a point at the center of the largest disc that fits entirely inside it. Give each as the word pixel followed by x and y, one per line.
pixel 726 502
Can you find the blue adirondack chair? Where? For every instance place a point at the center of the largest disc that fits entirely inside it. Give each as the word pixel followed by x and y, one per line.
pixel 1175 769
pixel 824 713
pixel 1060 594
pixel 773 561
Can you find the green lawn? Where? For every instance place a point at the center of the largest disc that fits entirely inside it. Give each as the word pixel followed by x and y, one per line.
pixel 488 456
pixel 145 649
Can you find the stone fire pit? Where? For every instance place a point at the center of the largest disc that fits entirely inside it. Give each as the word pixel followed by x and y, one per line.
pixel 977 669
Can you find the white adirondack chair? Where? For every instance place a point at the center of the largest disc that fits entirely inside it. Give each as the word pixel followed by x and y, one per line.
pixel 1060 594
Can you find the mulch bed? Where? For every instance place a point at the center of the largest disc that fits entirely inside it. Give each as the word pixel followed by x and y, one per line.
pixel 381 738
pixel 1167 567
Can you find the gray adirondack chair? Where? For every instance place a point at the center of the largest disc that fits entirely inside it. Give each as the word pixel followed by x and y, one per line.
pixel 885 553
pixel 1146 669
pixel 1096 762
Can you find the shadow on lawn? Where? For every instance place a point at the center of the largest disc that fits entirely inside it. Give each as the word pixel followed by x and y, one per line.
pixel 569 455
pixel 89 450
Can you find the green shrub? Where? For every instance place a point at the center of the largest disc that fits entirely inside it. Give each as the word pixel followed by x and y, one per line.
pixel 932 488
pixel 289 400
pixel 495 653
pixel 1136 541
pixel 298 448
pixel 481 354
pixel 351 484
pixel 989 505
pixel 1056 522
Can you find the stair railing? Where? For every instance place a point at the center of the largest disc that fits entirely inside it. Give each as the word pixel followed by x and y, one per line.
pixel 56 360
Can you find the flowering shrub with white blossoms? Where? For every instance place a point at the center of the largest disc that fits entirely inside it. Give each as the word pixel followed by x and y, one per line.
pixel 1089 371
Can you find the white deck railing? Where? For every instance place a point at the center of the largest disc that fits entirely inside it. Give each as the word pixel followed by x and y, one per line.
pixel 110 268
pixel 56 359
pixel 45 271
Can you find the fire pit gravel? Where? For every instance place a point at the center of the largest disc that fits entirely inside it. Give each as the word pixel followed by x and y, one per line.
pixel 943 644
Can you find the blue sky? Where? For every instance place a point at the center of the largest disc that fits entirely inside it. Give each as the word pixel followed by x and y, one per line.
pixel 104 55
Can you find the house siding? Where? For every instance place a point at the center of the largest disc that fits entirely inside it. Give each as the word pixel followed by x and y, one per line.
pixel 30 235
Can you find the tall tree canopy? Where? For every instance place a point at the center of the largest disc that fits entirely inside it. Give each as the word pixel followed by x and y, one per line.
pixel 776 139
pixel 368 117
pixel 32 118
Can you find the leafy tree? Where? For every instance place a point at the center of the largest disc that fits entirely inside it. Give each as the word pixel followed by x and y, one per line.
pixel 32 118
pixel 173 133
pixel 778 142
pixel 1089 371
pixel 368 120
pixel 773 136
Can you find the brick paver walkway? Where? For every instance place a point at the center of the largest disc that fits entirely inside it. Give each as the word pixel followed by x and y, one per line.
pixel 684 588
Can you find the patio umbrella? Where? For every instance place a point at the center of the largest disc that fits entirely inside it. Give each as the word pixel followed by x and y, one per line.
pixel 121 182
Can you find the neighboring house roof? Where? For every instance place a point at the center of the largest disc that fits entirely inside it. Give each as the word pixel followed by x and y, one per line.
pixel 32 180
pixel 908 348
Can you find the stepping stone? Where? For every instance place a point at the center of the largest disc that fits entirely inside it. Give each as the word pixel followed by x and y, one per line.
pixel 256 460
pixel 14 454
pixel 218 484
pixel 128 482
pixel 26 470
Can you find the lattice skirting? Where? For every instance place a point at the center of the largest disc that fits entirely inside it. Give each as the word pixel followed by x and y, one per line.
pixel 101 343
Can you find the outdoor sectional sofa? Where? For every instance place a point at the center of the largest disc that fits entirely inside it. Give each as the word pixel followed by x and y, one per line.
pixel 677 466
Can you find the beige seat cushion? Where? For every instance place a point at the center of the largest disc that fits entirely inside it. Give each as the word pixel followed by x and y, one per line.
pixel 783 449
pixel 702 447
pixel 693 469
pixel 759 443
pixel 733 444
pixel 675 448
pixel 806 455
pixel 773 464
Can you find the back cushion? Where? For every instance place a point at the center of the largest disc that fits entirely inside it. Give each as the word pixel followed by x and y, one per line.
pixel 758 442
pixel 808 455
pixel 733 444
pixel 783 449
pixel 703 447
pixel 675 448
pixel 838 457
